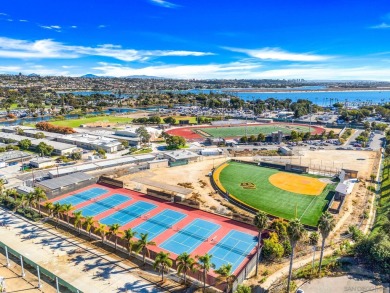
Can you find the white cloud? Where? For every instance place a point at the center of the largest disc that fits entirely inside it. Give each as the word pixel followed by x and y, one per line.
pixel 102 26
pixel 56 28
pixel 10 20
pixel 47 48
pixel 247 70
pixel 229 70
pixel 74 26
pixel 23 20
pixel 279 54
pixel 3 14
pixel 163 3
pixel 383 25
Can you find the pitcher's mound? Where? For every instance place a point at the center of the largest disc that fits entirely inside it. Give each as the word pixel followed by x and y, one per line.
pixel 297 183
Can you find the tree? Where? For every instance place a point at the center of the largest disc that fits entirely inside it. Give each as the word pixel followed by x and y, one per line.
pixel 44 149
pixel 89 222
pixel 39 135
pixel 39 195
pixel 175 142
pixel 243 289
pixel 313 241
pixel 185 263
pixel 272 249
pixel 326 225
pixel 78 220
pixel 295 232
pixel 102 231
pixel 163 262
pixel 25 144
pixel 66 209
pixel 128 237
pixel 225 275
pixel 205 265
pixel 143 245
pixel 30 198
pixel 261 137
pixel 261 223
pixel 75 156
pixel 57 209
pixel 113 231
pixel 143 134
pixel 49 207
pixel 169 120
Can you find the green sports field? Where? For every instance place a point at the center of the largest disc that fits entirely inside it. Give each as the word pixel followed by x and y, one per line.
pixel 238 131
pixel 271 199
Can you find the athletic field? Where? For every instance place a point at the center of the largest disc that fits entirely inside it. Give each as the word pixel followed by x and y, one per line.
pixel 288 195
pixel 238 131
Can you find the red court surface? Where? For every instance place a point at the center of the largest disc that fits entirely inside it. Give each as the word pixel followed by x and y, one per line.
pixel 189 131
pixel 226 224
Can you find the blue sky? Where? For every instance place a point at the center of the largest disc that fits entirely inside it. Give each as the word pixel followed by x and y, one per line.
pixel 197 38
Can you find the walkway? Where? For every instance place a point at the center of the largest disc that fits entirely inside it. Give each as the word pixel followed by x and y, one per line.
pixel 86 268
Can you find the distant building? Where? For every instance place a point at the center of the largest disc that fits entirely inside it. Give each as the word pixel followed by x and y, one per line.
pixel 41 162
pixel 286 151
pixel 92 142
pixel 181 156
pixel 215 141
pixel 277 136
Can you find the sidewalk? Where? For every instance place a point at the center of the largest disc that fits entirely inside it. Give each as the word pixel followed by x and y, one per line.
pixel 86 268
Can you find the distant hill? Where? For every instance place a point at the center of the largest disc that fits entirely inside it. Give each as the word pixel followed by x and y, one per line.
pixel 144 77
pixel 33 74
pixel 89 75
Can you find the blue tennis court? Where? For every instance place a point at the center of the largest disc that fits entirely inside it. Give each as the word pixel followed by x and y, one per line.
pixel 159 223
pixel 83 196
pixel 129 213
pixel 233 248
pixel 190 237
pixel 103 205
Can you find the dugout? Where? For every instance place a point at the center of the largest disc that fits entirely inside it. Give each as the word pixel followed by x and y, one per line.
pixel 296 168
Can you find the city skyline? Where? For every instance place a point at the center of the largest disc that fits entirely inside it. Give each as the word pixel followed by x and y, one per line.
pixel 340 40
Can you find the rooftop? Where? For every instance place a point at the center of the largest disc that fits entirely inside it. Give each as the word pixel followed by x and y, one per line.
pixel 66 180
pixel 181 155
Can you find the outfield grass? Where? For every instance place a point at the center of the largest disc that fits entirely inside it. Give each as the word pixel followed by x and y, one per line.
pixel 238 131
pixel 77 122
pixel 384 201
pixel 269 198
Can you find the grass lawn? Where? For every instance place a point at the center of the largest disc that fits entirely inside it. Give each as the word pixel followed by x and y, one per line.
pixel 77 122
pixel 384 201
pixel 269 198
pixel 238 131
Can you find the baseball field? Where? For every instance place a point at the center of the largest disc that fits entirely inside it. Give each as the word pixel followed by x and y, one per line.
pixel 237 131
pixel 281 194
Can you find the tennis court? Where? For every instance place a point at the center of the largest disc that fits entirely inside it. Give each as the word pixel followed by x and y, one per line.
pixel 190 237
pixel 129 213
pixel 103 205
pixel 159 223
pixel 233 248
pixel 83 196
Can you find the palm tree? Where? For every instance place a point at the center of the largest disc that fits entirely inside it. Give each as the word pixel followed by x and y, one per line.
pixel 89 222
pixel 261 223
pixel 39 195
pixel 128 237
pixel 49 207
pixel 295 232
pixel 57 209
pixel 163 262
pixel 102 230
pixel 185 263
pixel 142 245
pixel 78 220
pixel 313 241
pixel 226 275
pixel 326 225
pixel 11 192
pixel 1 187
pixel 205 264
pixel 20 202
pixel 113 231
pixel 66 209
pixel 30 199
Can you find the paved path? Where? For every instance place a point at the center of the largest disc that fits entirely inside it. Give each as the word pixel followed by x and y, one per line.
pixel 86 268
pixel 348 283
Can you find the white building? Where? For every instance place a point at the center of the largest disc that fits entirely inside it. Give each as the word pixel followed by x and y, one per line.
pixel 92 142
pixel 41 162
